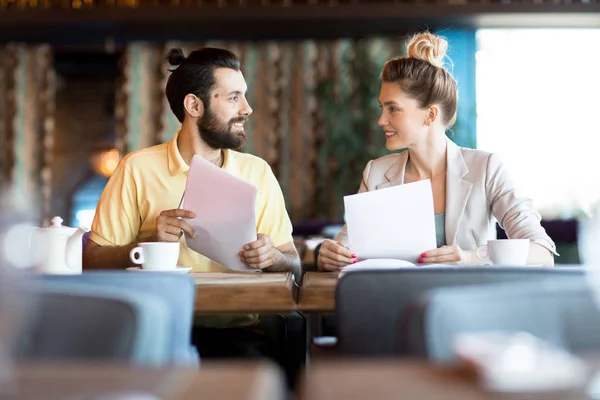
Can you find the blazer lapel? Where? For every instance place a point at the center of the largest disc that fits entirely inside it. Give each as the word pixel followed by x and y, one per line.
pixel 395 174
pixel 457 190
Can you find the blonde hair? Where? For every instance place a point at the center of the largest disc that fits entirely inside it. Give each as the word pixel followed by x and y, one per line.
pixel 422 75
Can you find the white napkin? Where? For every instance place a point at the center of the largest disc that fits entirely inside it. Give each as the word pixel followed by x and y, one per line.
pixel 518 362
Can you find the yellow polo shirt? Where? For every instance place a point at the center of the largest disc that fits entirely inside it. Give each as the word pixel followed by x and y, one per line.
pixel 152 180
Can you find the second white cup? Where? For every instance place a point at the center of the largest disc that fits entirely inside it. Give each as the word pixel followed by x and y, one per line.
pixel 505 251
pixel 156 256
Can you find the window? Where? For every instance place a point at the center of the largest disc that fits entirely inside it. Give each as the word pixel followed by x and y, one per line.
pixel 538 101
pixel 85 200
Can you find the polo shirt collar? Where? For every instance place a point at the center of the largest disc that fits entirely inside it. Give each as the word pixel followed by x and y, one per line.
pixel 177 165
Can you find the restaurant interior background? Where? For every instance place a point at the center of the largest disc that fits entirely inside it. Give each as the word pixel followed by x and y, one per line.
pixel 82 84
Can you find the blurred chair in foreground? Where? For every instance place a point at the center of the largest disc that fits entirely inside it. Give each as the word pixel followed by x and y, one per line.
pixel 369 303
pixel 80 322
pixel 177 291
pixel 561 313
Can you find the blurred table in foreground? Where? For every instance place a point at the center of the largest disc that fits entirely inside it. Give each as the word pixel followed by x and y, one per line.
pixel 234 380
pixel 395 379
pixel 317 292
pixel 223 292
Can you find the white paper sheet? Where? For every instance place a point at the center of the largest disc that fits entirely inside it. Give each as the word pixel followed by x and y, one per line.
pixel 396 222
pixel 225 213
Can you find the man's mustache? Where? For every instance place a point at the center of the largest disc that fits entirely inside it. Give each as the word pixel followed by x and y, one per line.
pixel 237 120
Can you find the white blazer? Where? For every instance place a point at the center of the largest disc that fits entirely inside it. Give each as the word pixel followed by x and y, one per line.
pixel 479 192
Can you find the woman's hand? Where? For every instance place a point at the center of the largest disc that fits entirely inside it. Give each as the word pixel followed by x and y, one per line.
pixel 333 256
pixel 445 254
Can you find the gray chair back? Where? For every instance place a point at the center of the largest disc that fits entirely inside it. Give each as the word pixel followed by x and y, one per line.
pixel 79 322
pixel 368 303
pixel 562 313
pixel 178 291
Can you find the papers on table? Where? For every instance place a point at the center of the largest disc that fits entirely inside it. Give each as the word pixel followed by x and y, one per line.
pixel 396 222
pixel 377 264
pixel 225 213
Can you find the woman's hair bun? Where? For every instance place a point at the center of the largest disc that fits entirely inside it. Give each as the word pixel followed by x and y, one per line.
pixel 428 47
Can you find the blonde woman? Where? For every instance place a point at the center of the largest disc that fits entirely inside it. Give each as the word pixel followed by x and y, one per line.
pixel 471 188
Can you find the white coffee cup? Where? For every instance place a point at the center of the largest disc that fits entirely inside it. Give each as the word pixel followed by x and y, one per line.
pixel 505 251
pixel 156 256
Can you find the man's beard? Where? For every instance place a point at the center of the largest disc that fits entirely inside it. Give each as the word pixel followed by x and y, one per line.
pixel 219 135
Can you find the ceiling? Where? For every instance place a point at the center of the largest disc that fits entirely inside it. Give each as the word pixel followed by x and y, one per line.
pixel 274 20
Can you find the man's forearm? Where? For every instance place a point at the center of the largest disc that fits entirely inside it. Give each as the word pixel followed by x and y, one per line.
pixel 286 262
pixel 108 257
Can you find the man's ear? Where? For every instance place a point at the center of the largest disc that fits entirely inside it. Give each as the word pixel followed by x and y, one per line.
pixel 193 106
pixel 432 114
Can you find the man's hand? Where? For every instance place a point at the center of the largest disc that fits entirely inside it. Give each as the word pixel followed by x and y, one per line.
pixel 333 256
pixel 170 225
pixel 261 253
pixel 445 254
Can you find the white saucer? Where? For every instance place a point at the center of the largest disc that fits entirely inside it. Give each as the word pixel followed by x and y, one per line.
pixel 182 270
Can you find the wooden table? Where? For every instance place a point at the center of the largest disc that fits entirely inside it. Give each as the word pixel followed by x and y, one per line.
pixel 317 292
pixel 393 379
pixel 223 292
pixel 239 380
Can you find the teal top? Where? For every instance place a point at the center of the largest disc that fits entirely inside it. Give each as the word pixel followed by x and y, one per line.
pixel 440 229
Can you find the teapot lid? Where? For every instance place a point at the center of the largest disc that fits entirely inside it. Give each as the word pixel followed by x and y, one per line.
pixel 57 228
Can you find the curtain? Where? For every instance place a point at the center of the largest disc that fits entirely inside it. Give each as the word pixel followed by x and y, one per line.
pixel 27 93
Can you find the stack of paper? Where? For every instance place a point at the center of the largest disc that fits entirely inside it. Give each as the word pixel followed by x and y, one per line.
pixel 377 264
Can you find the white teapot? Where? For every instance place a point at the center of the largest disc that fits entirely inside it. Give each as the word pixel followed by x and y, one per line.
pixel 59 248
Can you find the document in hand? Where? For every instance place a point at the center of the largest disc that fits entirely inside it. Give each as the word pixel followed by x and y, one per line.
pixel 224 207
pixel 396 222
